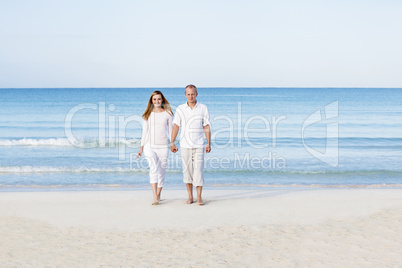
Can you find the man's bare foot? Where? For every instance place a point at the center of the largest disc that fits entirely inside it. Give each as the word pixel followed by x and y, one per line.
pixel 189 201
pixel 155 203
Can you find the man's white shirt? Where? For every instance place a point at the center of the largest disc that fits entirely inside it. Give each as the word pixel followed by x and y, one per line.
pixel 192 123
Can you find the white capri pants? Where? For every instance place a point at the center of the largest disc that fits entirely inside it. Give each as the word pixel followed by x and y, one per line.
pixel 157 161
pixel 193 165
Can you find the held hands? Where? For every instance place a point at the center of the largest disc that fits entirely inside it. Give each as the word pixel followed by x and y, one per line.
pixel 173 148
pixel 208 148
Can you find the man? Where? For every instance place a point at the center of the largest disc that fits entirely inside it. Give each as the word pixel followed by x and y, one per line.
pixel 193 118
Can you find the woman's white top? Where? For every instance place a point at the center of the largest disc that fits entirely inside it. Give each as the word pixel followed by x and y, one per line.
pixel 155 130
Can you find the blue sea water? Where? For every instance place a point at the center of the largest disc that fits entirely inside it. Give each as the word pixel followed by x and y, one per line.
pixel 89 137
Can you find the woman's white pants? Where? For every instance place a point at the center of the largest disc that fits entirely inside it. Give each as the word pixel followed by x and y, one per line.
pixel 157 161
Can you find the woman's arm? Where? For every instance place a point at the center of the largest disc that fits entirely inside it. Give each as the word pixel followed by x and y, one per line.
pixel 139 154
pixel 144 137
pixel 170 126
pixel 175 130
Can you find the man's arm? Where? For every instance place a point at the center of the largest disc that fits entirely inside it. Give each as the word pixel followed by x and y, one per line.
pixel 175 130
pixel 207 131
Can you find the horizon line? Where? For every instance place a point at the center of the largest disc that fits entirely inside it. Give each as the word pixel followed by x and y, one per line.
pixel 197 87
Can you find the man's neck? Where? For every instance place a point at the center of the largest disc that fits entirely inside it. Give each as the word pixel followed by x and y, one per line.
pixel 192 104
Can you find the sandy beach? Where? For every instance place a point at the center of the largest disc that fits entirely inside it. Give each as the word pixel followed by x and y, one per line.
pixel 236 228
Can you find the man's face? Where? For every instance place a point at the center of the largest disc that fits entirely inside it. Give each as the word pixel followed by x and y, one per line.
pixel 190 94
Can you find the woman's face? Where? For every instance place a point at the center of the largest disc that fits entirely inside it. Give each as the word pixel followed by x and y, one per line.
pixel 157 100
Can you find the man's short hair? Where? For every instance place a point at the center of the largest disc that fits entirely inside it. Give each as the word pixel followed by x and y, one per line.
pixel 191 86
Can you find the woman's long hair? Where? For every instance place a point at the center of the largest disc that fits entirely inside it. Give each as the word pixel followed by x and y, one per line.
pixel 165 105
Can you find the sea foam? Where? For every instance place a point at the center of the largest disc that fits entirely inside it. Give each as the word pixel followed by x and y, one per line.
pixel 64 142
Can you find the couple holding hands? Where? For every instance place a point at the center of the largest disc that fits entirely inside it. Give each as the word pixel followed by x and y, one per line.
pixel 193 119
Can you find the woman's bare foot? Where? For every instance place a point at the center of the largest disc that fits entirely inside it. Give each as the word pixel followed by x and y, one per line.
pixel 189 201
pixel 200 203
pixel 155 203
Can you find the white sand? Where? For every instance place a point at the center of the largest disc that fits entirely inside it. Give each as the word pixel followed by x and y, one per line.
pixel 236 228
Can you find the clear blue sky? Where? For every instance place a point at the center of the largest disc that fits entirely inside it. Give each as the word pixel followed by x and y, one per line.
pixel 155 43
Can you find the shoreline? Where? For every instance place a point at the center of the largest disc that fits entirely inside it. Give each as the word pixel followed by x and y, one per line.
pixel 119 187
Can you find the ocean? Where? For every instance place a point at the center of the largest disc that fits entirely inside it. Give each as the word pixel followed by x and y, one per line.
pixel 88 138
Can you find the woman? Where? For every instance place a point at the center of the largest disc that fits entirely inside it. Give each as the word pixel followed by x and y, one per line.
pixel 154 142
